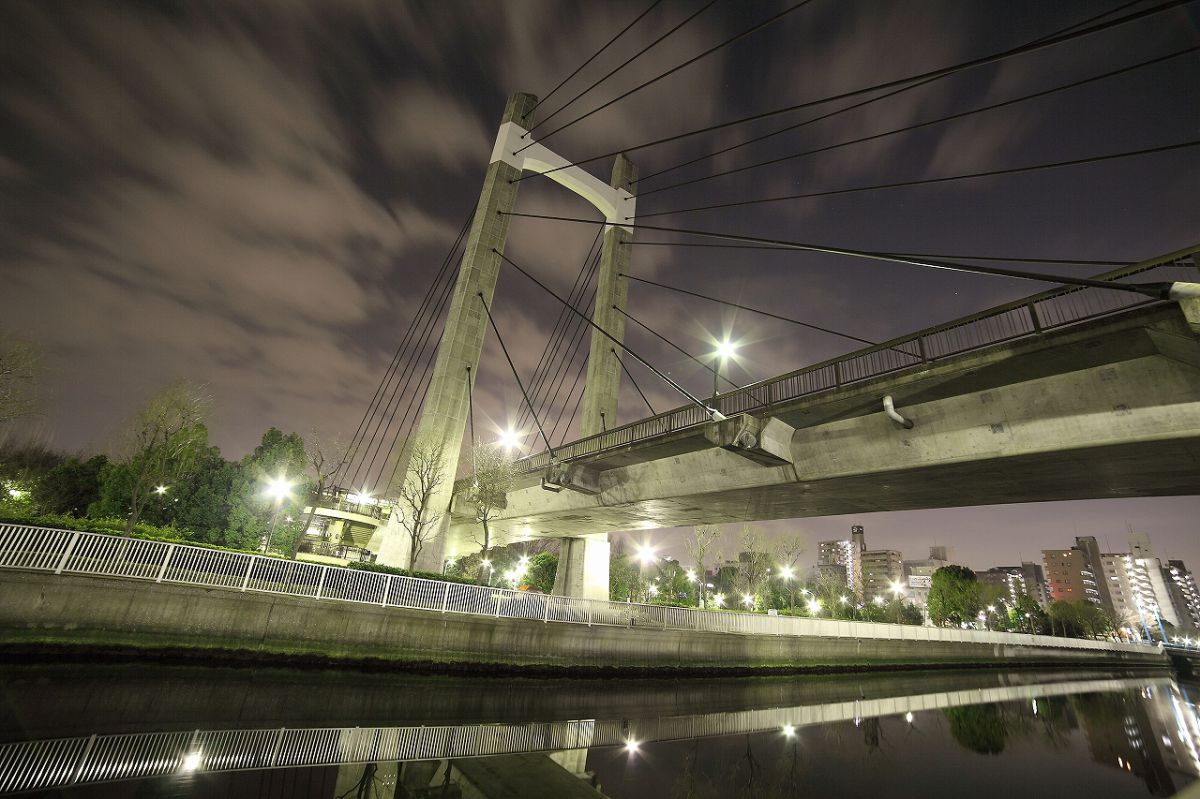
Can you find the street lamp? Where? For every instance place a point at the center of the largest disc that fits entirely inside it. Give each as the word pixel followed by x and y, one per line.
pixel 277 489
pixel 814 607
pixel 645 554
pixel 509 440
pixel 725 350
pixel 897 589
pixel 161 489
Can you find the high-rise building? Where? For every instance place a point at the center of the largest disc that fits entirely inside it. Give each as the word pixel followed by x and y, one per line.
pixel 1070 575
pixel 1184 585
pixel 846 553
pixel 1090 547
pixel 881 570
pixel 1016 580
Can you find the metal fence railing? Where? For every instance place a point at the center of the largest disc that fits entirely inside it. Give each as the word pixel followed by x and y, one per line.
pixel 1027 317
pixel 61 762
pixel 96 554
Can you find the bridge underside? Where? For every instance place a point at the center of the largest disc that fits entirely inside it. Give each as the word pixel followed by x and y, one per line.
pixel 1107 409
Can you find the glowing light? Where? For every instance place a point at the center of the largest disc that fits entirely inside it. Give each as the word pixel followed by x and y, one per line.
pixel 191 761
pixel 897 588
pixel 278 489
pixel 361 498
pixel 726 349
pixel 691 576
pixel 991 608
pixel 879 600
pixel 487 564
pixel 719 600
pixel 844 600
pixel 15 493
pixel 631 746
pixel 160 490
pixel 523 563
pixel 512 576
pixel 789 731
pixel 814 606
pixel 908 717
pixel 509 440
pixel 645 554
pixel 748 600
pixel 653 590
pixel 786 572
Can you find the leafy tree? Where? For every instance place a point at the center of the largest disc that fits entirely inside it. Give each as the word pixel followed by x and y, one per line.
pixel 699 546
pixel 254 516
pixel 490 483
pixel 624 576
pixel 414 507
pixel 158 446
pixel 541 572
pixel 18 376
pixel 70 487
pixel 1027 616
pixel 202 503
pixel 953 595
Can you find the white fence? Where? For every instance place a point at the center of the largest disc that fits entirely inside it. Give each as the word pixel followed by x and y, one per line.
pixel 60 762
pixel 95 554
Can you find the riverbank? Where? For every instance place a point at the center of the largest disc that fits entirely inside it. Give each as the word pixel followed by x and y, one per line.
pixel 47 615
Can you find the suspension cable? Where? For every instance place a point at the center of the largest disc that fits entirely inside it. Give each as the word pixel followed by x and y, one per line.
pixel 717 415
pixel 869 100
pixel 625 369
pixel 567 400
pixel 376 405
pixel 680 349
pixel 513 367
pixel 761 312
pixel 736 37
pixel 564 81
pixel 937 73
pixel 929 181
pixel 619 67
pixel 1156 290
pixel 1011 260
pixel 918 125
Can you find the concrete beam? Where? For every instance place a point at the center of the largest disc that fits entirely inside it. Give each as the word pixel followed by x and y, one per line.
pixel 764 440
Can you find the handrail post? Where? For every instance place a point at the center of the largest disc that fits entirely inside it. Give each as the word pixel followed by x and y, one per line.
pixel 62 563
pixel 249 568
pixel 276 747
pixel 921 349
pixel 1033 317
pixel 166 562
pixel 77 770
pixel 837 374
pixel 589 614
pixel 321 582
pixel 445 597
pixel 546 613
pixel 387 590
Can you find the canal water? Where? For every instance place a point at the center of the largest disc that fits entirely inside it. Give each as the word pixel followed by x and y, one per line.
pixel 95 730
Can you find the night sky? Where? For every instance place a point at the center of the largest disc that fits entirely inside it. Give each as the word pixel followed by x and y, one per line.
pixel 254 195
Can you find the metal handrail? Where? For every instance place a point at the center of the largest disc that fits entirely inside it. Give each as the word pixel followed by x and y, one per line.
pixel 46 549
pixel 1028 316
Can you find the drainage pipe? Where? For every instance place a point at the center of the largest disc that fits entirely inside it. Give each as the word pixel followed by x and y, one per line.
pixel 890 409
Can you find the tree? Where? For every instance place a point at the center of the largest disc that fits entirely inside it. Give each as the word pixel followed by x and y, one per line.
pixel 541 572
pixel 754 564
pixel 18 377
pixel 979 728
pixel 490 484
pixel 624 576
pixel 414 507
pixel 70 487
pixel 953 595
pixel 1027 616
pixel 698 546
pixel 324 458
pixel 256 519
pixel 160 443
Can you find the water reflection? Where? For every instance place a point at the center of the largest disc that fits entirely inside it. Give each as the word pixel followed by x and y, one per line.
pixel 121 732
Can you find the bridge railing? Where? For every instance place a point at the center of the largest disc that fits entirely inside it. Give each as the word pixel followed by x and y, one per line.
pixel 1023 318
pixel 46 549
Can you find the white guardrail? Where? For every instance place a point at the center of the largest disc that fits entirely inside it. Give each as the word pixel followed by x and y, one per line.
pixel 96 554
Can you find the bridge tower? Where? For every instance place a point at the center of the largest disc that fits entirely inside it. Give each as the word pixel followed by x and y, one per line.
pixel 583 561
pixel 444 415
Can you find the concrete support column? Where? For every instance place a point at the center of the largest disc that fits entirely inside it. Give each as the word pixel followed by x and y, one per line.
pixel 444 416
pixel 583 562
pixel 583 567
pixel 604 368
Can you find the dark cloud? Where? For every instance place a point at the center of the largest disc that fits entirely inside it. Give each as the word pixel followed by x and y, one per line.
pixel 255 194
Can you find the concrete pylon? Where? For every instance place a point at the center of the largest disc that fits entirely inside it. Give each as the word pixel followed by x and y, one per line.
pixel 583 561
pixel 444 416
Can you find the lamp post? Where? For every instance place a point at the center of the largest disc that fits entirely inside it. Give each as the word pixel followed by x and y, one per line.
pixel 278 489
pixel 897 591
pixel 725 350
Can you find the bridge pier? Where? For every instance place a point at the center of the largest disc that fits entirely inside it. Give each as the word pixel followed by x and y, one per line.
pixel 583 567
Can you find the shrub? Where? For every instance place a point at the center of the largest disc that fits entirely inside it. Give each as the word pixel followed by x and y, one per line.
pixel 379 567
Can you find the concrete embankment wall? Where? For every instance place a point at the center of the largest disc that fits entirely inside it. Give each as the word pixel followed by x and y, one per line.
pixel 45 609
